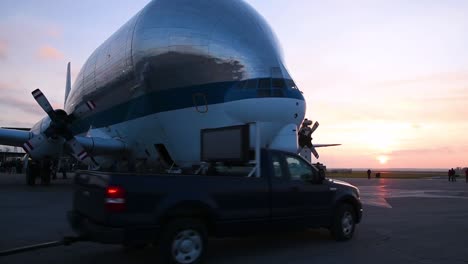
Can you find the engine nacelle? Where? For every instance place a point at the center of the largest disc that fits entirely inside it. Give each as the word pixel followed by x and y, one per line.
pixel 40 147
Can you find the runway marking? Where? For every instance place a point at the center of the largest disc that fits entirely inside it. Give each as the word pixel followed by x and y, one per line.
pixel 377 195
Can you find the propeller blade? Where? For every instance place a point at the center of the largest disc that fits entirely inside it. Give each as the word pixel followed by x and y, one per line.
pixel 326 145
pixel 44 104
pixel 34 142
pixel 79 151
pixel 85 108
pixel 67 85
pixel 314 127
pixel 314 152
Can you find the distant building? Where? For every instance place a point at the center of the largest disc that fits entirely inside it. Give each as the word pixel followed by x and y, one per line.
pixel 340 171
pixel 460 171
pixel 8 153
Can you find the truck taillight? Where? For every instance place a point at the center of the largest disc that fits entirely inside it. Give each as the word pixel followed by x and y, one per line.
pixel 115 199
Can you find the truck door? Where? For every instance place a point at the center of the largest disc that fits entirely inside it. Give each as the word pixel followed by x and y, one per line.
pixel 297 195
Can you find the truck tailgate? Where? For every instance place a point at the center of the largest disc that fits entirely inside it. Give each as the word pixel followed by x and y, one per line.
pixel 90 195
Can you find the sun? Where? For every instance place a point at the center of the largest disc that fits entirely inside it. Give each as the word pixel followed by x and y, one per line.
pixel 383 159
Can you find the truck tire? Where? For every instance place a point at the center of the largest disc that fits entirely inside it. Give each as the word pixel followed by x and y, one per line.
pixel 183 241
pixel 344 222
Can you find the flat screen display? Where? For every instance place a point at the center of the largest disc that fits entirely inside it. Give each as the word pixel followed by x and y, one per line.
pixel 225 144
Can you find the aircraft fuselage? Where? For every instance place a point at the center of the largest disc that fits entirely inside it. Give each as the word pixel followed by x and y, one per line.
pixel 181 66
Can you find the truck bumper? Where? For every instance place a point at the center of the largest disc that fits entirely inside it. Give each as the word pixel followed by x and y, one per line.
pixel 95 232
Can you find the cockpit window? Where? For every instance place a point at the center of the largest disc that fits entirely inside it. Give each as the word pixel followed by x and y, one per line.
pixel 267 86
pixel 290 84
pixel 251 84
pixel 278 83
pixel 264 83
pixel 242 85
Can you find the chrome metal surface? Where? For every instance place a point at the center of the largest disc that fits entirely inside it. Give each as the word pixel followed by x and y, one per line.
pixel 179 43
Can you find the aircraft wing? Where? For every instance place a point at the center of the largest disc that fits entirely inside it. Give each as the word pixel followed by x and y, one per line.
pixel 326 145
pixel 95 145
pixel 14 137
pixel 18 128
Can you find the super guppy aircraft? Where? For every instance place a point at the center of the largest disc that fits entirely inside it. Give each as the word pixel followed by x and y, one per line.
pixel 177 67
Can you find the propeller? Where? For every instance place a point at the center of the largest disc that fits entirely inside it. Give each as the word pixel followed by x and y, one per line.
pixel 305 137
pixel 59 128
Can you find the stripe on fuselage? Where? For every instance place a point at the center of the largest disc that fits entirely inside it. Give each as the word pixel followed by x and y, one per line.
pixel 172 99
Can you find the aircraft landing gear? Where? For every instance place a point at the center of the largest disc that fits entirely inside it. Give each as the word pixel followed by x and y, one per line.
pixel 32 172
pixel 45 171
pixel 39 169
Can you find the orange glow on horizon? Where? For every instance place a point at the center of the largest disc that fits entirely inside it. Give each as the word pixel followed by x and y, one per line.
pixel 383 159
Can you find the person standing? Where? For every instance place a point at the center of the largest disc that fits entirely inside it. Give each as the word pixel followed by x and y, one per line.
pixel 63 169
pixel 466 175
pixel 369 173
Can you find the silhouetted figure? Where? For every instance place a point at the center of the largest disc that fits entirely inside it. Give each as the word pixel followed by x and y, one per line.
pixel 63 169
pixel 452 175
pixel 18 166
pixel 466 175
pixel 46 171
pixel 32 172
pixel 369 172
pixel 54 169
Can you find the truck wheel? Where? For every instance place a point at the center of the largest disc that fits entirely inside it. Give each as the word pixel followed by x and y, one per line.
pixel 344 223
pixel 183 241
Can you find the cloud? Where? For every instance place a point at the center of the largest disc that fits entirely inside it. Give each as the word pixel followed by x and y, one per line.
pixel 426 151
pixel 441 77
pixel 15 100
pixel 3 49
pixel 3 86
pixel 54 32
pixel 28 106
pixel 47 52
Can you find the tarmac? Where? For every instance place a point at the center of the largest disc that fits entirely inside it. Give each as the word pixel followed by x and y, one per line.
pixel 421 221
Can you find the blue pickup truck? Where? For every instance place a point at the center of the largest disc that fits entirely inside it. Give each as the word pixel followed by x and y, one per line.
pixel 178 212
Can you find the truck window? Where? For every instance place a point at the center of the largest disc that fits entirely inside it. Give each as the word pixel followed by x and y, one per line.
pixel 277 170
pixel 221 169
pixel 299 169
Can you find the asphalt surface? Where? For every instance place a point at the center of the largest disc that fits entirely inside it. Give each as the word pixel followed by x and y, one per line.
pixel 405 221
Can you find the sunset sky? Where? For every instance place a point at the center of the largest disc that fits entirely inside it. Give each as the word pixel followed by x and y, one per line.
pixel 386 78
